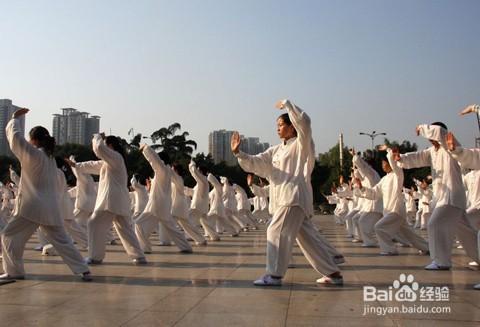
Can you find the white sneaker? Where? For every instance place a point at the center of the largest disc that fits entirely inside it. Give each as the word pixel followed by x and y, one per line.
pixel 477 287
pixel 49 250
pixel 473 264
pixel 435 266
pixel 330 280
pixel 268 280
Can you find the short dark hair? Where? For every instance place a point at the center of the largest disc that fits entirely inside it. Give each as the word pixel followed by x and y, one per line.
pixel 439 123
pixel 45 141
pixel 165 157
pixel 286 119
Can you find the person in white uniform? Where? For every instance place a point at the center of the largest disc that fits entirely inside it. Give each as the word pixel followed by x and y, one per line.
pixel 200 202
pixel 140 196
pixel 393 222
pixel 112 202
pixel 449 200
pixel 180 207
pixel 159 206
pixel 288 167
pixel 39 205
pixel 373 209
pixel 217 208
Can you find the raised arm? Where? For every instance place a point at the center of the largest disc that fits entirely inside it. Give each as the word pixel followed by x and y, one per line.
pixel 215 183
pixel 152 157
pixel 366 170
pixel 87 167
pixel 103 152
pixel 260 164
pixel 415 159
pixel 19 146
pixel 468 158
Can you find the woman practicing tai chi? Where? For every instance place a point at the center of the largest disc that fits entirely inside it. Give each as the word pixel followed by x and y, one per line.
pixel 39 203
pixel 288 167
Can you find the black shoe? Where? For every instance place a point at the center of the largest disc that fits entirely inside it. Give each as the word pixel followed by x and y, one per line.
pixel 140 261
pixel 87 277
pixel 186 251
pixel 10 277
pixel 90 261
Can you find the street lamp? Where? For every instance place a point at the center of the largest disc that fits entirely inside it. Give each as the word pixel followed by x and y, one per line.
pixel 372 135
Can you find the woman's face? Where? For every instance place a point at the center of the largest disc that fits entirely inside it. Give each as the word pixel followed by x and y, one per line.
pixel 284 130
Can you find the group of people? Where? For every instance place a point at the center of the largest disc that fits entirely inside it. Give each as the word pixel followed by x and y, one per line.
pixel 380 212
pixel 377 211
pixel 88 214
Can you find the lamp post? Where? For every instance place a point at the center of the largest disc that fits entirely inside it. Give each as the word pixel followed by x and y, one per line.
pixel 372 136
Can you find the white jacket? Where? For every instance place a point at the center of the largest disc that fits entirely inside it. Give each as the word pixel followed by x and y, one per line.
pixel 140 196
pixel 216 201
pixel 229 200
pixel 287 166
pixel 38 194
pixel 389 189
pixel 200 191
pixel 179 199
pixel 86 191
pixel 112 192
pixel 242 198
pixel 447 177
pixel 370 179
pixel 160 199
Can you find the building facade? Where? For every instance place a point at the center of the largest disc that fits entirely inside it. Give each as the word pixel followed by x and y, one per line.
pixel 6 110
pixel 73 126
pixel 219 146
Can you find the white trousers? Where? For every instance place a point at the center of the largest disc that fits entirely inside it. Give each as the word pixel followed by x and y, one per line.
pixel 290 224
pixel 391 225
pixel 18 232
pixel 146 224
pixel 444 223
pixel 366 226
pixel 223 224
pixel 162 234
pixel 205 222
pixel 78 234
pixel 349 222
pixel 248 217
pixel 98 227
pixel 190 229
pixel 473 217
pixel 356 225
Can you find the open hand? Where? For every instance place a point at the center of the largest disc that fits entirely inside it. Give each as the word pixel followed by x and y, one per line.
pixel 235 142
pixel 469 109
pixel 20 112
pixel 451 142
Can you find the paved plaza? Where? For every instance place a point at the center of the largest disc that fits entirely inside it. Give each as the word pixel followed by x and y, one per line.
pixel 213 287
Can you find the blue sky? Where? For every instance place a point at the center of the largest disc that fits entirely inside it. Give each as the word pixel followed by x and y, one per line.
pixel 352 65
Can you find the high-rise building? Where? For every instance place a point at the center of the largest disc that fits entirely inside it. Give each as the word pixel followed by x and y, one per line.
pixel 73 126
pixel 219 146
pixel 6 111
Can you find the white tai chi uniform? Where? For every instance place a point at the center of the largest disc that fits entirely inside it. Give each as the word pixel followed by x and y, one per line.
pixel 112 203
pixel 449 200
pixel 200 201
pixel 217 208
pixel 288 167
pixel 243 206
pixel 140 197
pixel 39 205
pixel 230 203
pixel 159 206
pixel 410 205
pixel 372 210
pixel 180 209
pixel 472 182
pixel 393 222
